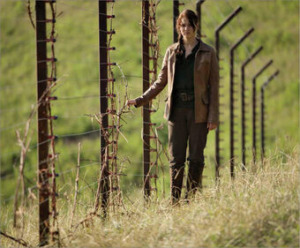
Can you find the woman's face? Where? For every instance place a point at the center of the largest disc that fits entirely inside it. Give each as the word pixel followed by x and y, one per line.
pixel 186 29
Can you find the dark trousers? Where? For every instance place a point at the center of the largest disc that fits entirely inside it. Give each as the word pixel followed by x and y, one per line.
pixel 184 131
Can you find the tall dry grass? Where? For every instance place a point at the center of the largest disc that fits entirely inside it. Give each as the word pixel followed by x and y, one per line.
pixel 260 208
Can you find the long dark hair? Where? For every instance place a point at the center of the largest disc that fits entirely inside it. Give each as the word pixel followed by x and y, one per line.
pixel 193 20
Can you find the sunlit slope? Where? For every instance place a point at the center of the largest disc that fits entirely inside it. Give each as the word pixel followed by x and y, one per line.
pixel 276 29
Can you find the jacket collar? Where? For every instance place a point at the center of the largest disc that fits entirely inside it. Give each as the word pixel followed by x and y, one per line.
pixel 202 47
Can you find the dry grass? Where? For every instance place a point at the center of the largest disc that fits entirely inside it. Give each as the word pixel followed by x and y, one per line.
pixel 259 209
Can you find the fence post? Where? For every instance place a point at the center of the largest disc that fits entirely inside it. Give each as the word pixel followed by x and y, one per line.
pixel 42 123
pixel 232 100
pixel 104 181
pixel 262 120
pixel 175 16
pixel 146 107
pixel 254 108
pixel 262 89
pixel 199 13
pixel 243 105
pixel 217 137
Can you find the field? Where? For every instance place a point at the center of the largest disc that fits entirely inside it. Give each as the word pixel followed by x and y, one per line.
pixel 259 209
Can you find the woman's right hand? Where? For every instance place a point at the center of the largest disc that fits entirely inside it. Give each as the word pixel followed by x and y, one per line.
pixel 131 102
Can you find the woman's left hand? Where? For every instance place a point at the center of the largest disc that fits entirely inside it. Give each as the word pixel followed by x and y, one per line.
pixel 211 126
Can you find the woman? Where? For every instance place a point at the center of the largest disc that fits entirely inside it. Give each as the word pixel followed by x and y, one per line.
pixel 190 69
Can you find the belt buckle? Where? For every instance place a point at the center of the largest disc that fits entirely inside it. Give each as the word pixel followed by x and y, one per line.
pixel 184 96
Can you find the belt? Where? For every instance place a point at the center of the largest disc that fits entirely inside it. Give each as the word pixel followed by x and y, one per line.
pixel 185 97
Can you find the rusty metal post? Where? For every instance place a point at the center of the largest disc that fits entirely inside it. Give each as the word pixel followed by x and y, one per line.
pixel 146 107
pixel 104 191
pixel 262 116
pixel 232 100
pixel 43 145
pixel 254 108
pixel 175 16
pixel 199 13
pixel 262 121
pixel 217 137
pixel 223 25
pixel 243 105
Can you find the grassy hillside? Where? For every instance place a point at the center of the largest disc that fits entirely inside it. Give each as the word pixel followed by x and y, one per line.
pixel 276 28
pixel 258 210
pixel 77 54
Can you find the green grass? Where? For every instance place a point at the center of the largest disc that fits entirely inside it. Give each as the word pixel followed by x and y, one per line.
pixel 276 28
pixel 258 209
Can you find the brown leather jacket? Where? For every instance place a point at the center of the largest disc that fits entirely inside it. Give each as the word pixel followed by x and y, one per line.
pixel 206 83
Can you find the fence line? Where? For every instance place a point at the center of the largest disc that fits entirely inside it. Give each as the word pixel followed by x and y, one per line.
pixel 114 127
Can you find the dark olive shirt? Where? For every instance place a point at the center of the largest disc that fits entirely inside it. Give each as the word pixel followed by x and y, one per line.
pixel 184 79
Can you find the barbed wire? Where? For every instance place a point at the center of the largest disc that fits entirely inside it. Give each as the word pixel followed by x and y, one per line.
pixel 13 126
pixel 129 175
pixel 63 172
pixel 98 130
pixel 141 0
pixel 13 109
pixel 93 163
